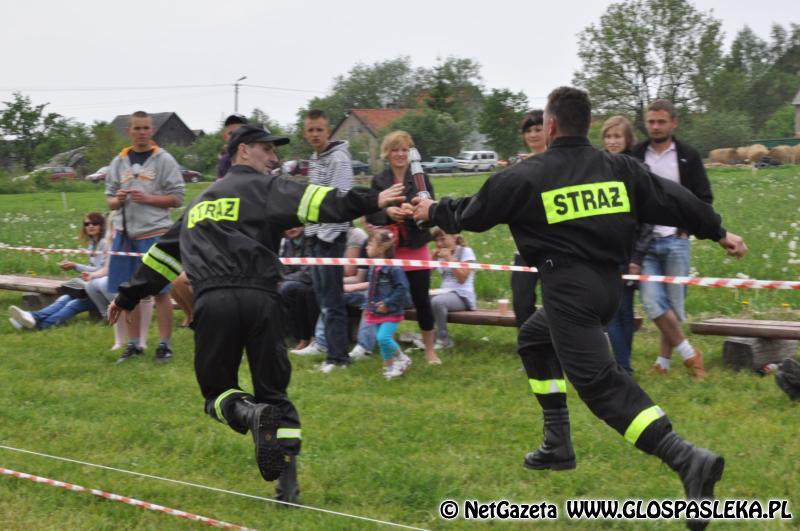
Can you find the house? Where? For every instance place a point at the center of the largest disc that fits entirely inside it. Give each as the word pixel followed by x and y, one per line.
pixel 362 127
pixel 796 103
pixel 169 129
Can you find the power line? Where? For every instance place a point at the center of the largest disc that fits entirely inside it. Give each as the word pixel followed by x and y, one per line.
pixel 283 88
pixel 153 87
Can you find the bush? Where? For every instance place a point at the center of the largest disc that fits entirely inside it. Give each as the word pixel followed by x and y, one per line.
pixel 717 129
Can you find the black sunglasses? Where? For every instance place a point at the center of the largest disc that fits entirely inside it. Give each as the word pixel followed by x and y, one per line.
pixel 95 223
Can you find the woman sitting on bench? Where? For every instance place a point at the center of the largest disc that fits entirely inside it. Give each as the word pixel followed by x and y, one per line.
pixel 68 306
pixel 457 292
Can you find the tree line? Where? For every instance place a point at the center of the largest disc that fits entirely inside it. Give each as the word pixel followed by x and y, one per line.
pixel 638 51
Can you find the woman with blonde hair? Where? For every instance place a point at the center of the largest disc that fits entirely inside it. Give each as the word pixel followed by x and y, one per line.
pixel 412 241
pixel 618 137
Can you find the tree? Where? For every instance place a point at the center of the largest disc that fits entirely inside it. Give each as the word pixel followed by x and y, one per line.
pixel 434 133
pixel 647 49
pixel 454 87
pixel 103 146
pixel 25 126
pixel 64 135
pixel 717 129
pixel 502 113
pixel 780 124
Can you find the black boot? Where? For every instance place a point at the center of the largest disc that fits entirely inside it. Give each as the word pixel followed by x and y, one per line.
pixel 556 452
pixel 262 421
pixel 698 468
pixel 287 489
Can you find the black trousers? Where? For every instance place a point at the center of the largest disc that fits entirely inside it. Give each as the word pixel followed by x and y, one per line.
pixel 302 309
pixel 419 285
pixel 228 322
pixel 566 338
pixel 523 292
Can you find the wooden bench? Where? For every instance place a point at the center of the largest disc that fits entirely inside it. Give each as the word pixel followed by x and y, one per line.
pixel 47 286
pixel 752 343
pixel 474 317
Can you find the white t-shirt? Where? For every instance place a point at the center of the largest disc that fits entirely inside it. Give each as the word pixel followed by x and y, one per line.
pixel 451 283
pixel 664 165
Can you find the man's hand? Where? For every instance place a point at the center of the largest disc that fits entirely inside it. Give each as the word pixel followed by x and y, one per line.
pixel 137 196
pixel 734 245
pixel 391 196
pixel 421 208
pixel 634 269
pixel 121 195
pixel 114 312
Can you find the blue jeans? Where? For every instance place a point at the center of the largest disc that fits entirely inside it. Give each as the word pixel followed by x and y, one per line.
pixel 386 340
pixel 328 281
pixel 61 311
pixel 366 331
pixel 667 256
pixel 122 268
pixel 620 329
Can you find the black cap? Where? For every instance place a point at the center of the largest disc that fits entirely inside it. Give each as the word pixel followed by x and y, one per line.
pixel 234 119
pixel 250 134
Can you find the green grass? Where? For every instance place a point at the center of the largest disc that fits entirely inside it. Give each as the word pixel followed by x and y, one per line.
pixel 385 450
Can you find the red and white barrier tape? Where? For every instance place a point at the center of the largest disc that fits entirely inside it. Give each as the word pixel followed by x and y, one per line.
pixel 711 282
pixel 123 499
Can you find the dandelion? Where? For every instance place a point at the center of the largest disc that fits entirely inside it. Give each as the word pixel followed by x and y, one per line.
pixel 772 235
pixel 745 302
pixel 742 275
pixel 792 245
pixel 765 256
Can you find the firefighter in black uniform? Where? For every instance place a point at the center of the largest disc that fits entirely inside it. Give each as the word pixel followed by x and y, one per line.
pixel 572 211
pixel 227 240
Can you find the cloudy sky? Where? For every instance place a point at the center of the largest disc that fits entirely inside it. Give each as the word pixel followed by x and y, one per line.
pixel 92 59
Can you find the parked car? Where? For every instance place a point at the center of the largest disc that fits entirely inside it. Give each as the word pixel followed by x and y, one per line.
pixel 191 176
pixel 441 165
pixel 476 160
pixel 360 168
pixel 57 173
pixel 99 176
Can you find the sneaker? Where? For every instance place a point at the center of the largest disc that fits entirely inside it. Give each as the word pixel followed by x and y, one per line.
pixel 163 353
pixel 695 364
pixel 130 351
pixel 359 353
pixel 311 350
pixel 402 361
pixel 14 323
pixel 327 367
pixel 392 371
pixel 443 345
pixel 22 317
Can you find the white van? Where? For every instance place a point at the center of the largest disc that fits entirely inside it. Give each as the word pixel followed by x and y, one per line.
pixel 476 160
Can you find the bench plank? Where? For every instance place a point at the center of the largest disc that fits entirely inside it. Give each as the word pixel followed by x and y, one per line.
pixel 49 286
pixel 474 317
pixel 724 326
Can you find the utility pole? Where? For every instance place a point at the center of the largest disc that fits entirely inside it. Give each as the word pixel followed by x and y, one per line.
pixel 236 94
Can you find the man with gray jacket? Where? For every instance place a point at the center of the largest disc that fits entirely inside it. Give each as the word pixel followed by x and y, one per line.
pixel 330 166
pixel 143 183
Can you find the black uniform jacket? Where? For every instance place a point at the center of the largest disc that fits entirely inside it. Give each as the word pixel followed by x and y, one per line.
pixel 574 200
pixel 229 236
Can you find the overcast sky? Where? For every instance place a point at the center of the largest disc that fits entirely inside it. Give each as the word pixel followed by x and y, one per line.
pixel 52 49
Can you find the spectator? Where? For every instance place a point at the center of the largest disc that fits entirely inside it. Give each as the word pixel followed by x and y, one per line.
pixel 97 290
pixel 388 291
pixel 330 165
pixel 68 306
pixel 297 291
pixel 412 241
pixel 618 137
pixel 143 183
pixel 231 124
pixel 669 250
pixel 458 288
pixel 523 285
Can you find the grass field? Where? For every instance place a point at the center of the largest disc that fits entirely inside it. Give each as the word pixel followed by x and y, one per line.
pixel 385 450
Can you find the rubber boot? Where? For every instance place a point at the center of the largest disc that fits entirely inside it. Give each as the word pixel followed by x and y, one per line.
pixel 556 452
pixel 287 489
pixel 698 468
pixel 262 421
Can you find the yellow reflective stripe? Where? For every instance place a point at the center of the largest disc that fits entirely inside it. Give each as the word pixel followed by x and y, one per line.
pixel 289 433
pixel 641 422
pixel 220 399
pixel 308 211
pixel 159 268
pixel 223 209
pixel 548 387
pixel 161 256
pixel 585 200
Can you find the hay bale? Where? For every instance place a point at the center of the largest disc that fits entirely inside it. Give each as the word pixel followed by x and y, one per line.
pixel 796 150
pixel 784 154
pixel 755 152
pixel 743 154
pixel 723 155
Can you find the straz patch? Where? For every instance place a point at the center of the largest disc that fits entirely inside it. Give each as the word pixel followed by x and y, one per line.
pixel 226 209
pixel 585 200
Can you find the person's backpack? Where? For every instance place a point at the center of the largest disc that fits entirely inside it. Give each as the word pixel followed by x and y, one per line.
pixel 788 378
